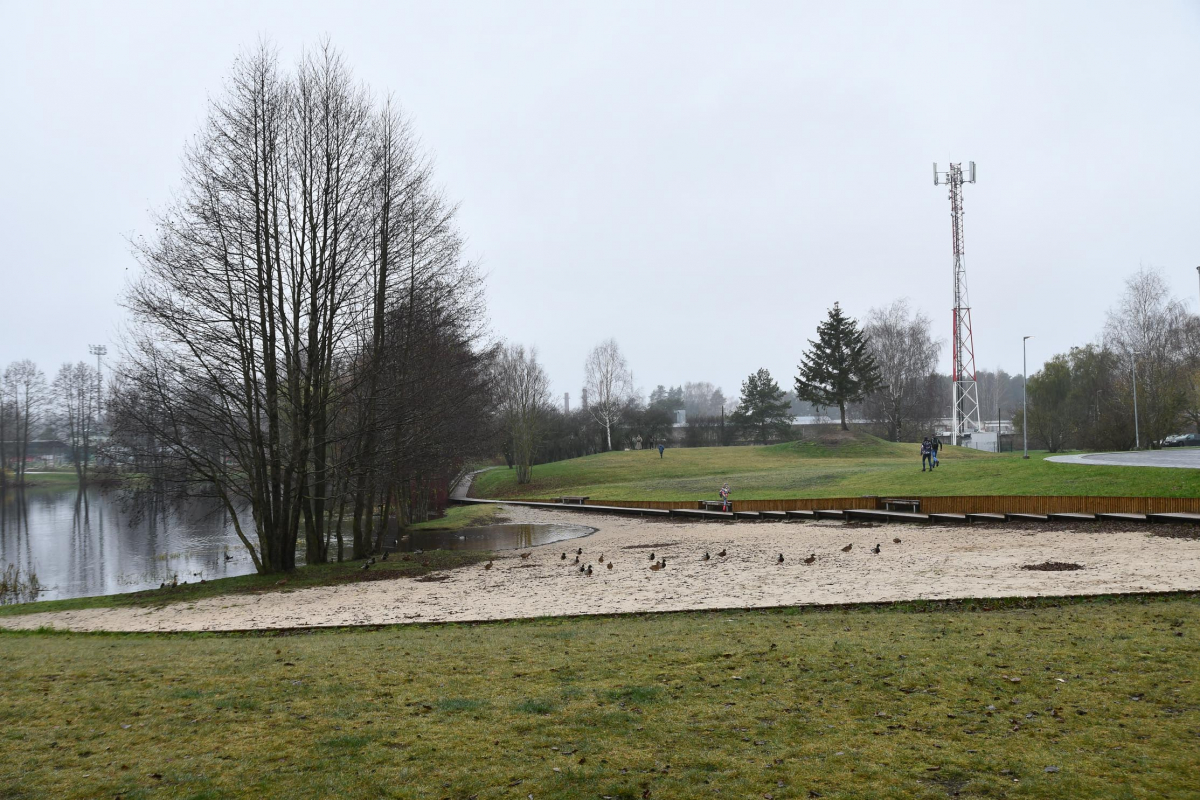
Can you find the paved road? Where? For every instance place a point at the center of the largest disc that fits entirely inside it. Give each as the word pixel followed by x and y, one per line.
pixel 1180 457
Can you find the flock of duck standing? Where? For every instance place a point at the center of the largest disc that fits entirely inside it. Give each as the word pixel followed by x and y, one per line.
pixel 661 563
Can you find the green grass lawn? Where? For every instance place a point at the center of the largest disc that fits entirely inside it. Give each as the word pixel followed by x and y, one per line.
pixel 1034 699
pixel 459 517
pixel 845 465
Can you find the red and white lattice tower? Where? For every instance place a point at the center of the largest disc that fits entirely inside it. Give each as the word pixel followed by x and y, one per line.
pixel 962 354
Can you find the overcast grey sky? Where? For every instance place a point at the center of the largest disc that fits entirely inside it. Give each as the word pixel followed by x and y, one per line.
pixel 698 180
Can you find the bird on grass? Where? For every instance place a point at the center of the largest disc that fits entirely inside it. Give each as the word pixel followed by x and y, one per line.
pixel 846 549
pixel 780 559
pixel 579 552
pixel 488 565
pixel 582 569
pixel 602 558
pixel 651 556
pixel 610 565
pixel 228 557
pixel 589 570
pixel 812 558
pixel 526 555
pixel 564 557
pixel 576 559
pixel 876 549
pixel 657 565
pixel 425 563
pixel 706 556
pixel 406 557
pixel 721 554
pixel 371 560
pixel 366 566
pixel 895 541
pixel 385 556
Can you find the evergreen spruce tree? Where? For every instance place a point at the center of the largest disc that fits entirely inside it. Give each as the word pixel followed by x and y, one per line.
pixel 763 408
pixel 837 368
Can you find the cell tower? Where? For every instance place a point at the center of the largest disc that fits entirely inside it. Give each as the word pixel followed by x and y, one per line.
pixel 962 367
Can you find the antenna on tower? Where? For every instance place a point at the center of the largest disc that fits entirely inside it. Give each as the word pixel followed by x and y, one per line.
pixel 962 368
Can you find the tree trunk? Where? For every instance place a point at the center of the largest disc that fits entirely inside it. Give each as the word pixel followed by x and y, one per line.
pixel 842 408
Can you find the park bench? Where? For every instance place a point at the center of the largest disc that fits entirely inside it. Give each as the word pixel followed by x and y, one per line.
pixel 572 499
pixel 901 504
pixel 715 505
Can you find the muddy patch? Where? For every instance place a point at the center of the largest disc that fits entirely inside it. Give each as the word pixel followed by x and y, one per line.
pixel 1053 566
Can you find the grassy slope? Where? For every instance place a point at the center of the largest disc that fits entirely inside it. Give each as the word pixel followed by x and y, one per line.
pixel 839 466
pixel 785 704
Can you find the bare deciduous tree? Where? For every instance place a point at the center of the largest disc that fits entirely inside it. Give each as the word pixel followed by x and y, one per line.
pixel 28 398
pixel 76 387
pixel 1149 326
pixel 306 328
pixel 906 355
pixel 609 385
pixel 523 395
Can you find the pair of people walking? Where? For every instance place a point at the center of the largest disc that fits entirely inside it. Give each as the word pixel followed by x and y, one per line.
pixel 929 453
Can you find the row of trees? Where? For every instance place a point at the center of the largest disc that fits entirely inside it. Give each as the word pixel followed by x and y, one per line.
pixel 31 408
pixel 1148 358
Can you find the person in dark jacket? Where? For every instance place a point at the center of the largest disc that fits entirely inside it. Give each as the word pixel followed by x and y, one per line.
pixel 935 445
pixel 926 454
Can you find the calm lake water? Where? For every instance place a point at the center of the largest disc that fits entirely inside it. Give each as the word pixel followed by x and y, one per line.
pixel 509 536
pixel 94 542
pixel 97 542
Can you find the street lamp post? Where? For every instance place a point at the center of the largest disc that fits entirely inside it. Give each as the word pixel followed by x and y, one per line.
pixel 1137 436
pixel 1024 401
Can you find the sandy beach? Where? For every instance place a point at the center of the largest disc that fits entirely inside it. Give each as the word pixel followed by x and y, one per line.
pixel 930 562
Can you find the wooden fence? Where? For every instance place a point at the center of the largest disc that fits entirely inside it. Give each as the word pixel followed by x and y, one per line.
pixel 954 504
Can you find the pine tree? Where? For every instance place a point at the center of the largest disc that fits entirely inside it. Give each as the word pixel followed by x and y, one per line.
pixel 763 408
pixel 837 368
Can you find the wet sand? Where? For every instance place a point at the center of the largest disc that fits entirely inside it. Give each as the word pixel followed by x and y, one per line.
pixel 930 562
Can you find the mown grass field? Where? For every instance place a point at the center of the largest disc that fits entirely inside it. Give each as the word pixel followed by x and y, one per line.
pixel 844 465
pixel 1031 699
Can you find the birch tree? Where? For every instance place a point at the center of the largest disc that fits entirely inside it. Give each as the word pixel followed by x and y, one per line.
pixel 609 385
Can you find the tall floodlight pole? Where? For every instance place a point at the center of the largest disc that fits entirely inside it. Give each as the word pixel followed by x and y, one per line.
pixel 1024 395
pixel 962 353
pixel 98 350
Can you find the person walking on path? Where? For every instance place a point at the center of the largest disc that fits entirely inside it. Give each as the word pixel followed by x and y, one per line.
pixel 725 497
pixel 660 449
pixel 926 454
pixel 935 445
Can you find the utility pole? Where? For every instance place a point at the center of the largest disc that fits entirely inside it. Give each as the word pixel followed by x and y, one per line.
pixel 962 352
pixel 1025 395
